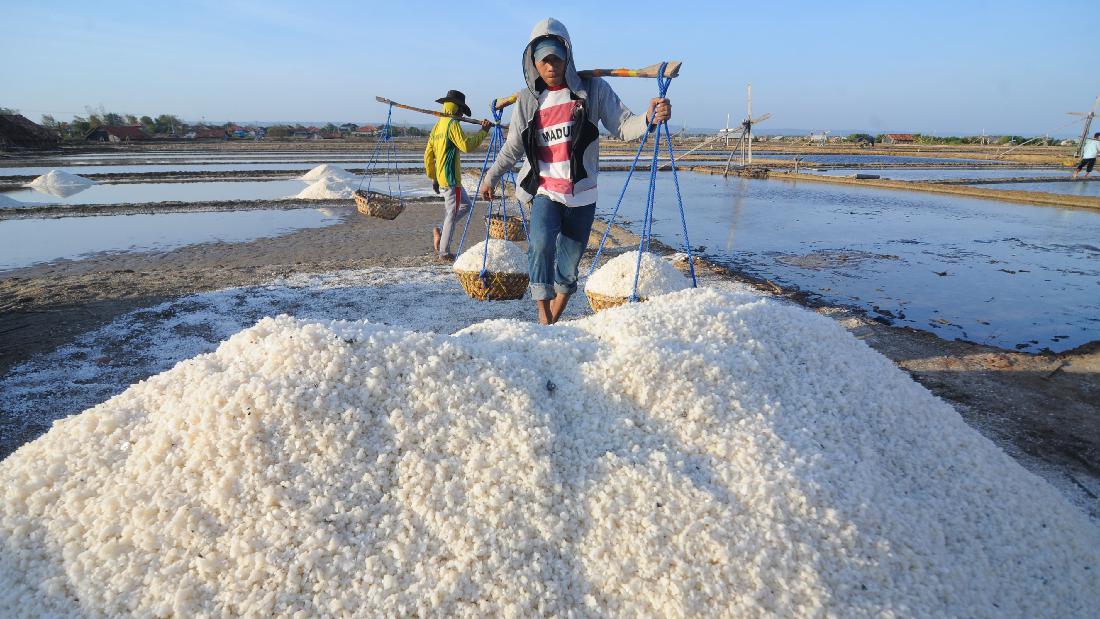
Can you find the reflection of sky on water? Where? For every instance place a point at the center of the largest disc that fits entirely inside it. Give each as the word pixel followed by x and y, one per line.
pixel 104 193
pixel 196 167
pixel 903 174
pixel 993 272
pixel 853 158
pixel 58 191
pixel 1079 188
pixel 412 186
pixel 413 166
pixel 24 242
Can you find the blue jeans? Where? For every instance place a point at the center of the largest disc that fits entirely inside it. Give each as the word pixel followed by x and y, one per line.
pixel 558 236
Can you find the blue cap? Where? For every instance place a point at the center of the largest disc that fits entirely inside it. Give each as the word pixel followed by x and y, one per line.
pixel 549 46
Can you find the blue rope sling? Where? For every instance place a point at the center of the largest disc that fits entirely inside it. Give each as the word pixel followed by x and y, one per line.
pixel 647 222
pixel 496 142
pixel 386 146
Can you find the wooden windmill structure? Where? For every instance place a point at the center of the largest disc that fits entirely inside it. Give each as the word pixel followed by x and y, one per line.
pixel 744 136
pixel 1088 116
pixel 1088 125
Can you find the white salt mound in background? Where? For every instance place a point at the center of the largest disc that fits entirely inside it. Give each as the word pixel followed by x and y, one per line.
pixel 701 454
pixel 504 257
pixel 326 170
pixel 327 189
pixel 60 178
pixel 60 183
pixel 656 277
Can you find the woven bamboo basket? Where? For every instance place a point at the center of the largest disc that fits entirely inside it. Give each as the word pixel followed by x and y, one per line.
pixel 378 204
pixel 602 302
pixel 510 230
pixel 496 287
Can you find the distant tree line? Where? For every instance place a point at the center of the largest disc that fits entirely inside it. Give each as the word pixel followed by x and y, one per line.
pixel 79 126
pixel 958 140
pixel 285 131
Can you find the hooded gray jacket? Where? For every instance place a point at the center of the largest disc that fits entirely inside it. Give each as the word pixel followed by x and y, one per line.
pixel 598 103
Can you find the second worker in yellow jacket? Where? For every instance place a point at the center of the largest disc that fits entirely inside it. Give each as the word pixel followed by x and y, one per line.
pixel 442 163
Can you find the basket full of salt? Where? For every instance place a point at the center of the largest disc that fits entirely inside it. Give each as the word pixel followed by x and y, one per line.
pixel 613 283
pixel 377 204
pixel 505 271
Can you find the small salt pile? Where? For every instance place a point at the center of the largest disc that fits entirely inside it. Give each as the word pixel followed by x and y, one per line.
pixel 328 188
pixel 60 183
pixel 701 454
pixel 616 278
pixel 59 178
pixel 327 171
pixel 503 257
pixel 6 202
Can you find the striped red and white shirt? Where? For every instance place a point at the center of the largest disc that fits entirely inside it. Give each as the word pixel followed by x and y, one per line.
pixel 555 135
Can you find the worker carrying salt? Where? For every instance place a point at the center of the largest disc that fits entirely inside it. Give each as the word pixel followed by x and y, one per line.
pixel 1088 155
pixel 442 163
pixel 555 127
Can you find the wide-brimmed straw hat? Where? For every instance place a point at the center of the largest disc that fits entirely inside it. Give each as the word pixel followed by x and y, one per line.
pixel 458 99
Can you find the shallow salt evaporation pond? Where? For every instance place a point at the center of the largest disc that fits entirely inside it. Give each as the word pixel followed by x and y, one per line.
pixel 846 159
pixel 1078 188
pixel 25 242
pixel 242 166
pixel 930 174
pixel 414 166
pixel 1010 275
pixel 213 191
pixel 134 193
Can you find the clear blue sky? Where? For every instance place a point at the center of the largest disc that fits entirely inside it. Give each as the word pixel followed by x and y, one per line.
pixel 932 66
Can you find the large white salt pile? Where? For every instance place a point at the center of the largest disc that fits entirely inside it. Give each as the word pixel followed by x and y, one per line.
pixel 656 277
pixel 503 257
pixel 700 454
pixel 60 183
pixel 326 170
pixel 327 189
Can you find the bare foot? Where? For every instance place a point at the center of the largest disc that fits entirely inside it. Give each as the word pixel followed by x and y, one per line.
pixel 436 235
pixel 448 258
pixel 543 308
pixel 557 306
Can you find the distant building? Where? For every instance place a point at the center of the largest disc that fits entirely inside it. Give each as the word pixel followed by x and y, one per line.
pixel 126 133
pixel 205 133
pixel 19 131
pixel 818 138
pixel 898 138
pixel 364 131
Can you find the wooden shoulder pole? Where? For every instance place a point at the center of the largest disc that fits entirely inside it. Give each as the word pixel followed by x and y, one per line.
pixel 672 69
pixel 465 119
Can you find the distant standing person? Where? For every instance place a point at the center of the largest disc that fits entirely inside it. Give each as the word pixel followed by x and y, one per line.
pixel 1088 155
pixel 555 129
pixel 442 164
